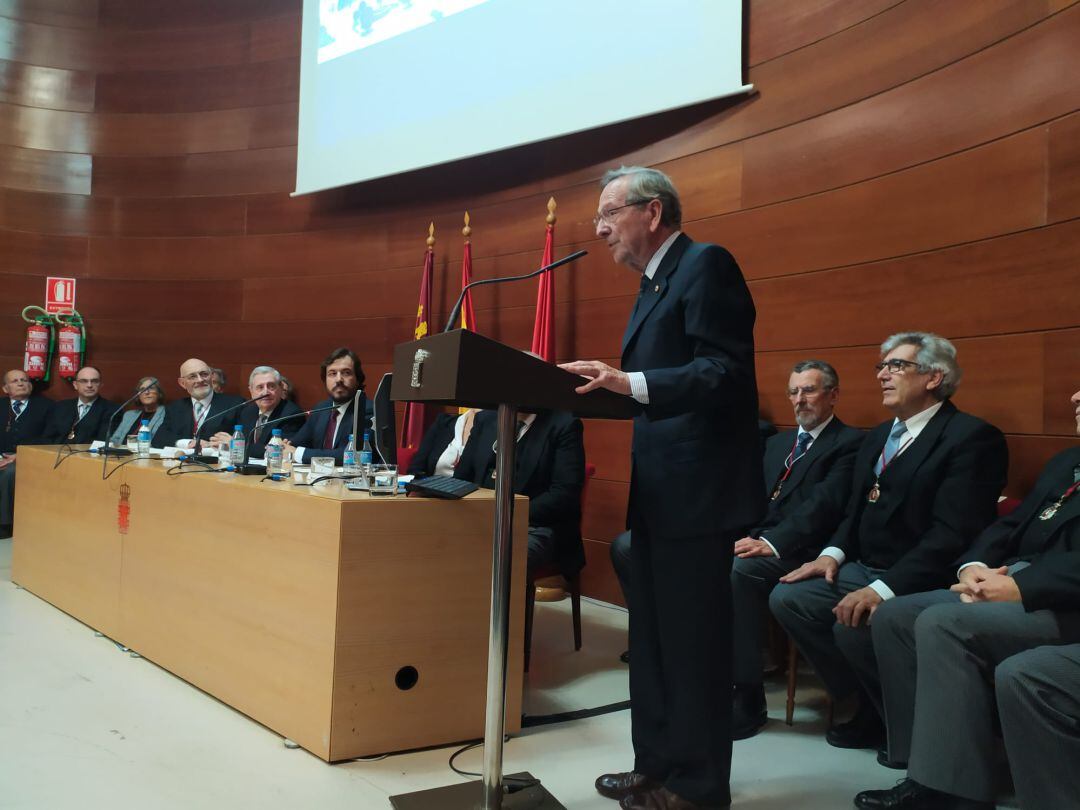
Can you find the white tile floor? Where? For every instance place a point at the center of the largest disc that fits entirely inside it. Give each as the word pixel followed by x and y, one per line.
pixel 83 725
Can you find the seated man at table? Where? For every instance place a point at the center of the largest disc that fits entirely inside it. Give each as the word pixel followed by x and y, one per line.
pixel 84 418
pixel 1005 636
pixel 264 386
pixel 200 414
pixel 24 419
pixel 326 433
pixel 808 474
pixel 444 441
pixel 925 483
pixel 549 467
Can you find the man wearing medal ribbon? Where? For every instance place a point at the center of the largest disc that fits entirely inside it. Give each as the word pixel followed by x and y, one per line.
pixel 807 481
pixel 926 482
pixel 1006 632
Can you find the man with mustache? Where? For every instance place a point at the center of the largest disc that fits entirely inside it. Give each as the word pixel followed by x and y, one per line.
pixel 199 415
pixel 1004 636
pixel 327 433
pixel 808 482
pixel 23 419
pixel 925 483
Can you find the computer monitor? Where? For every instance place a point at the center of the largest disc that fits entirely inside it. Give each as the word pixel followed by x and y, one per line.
pixel 384 428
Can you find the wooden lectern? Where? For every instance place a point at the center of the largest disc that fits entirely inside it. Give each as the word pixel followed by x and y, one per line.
pixel 466 369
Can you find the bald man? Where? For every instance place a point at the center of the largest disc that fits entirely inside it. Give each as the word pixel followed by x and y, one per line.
pixel 201 414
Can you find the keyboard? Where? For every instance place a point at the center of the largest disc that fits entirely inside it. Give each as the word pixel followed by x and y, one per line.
pixel 441 486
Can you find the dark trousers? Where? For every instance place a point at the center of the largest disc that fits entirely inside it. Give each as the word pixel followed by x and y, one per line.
pixel 620 561
pixel 7 495
pixel 843 657
pixel 680 674
pixel 752 580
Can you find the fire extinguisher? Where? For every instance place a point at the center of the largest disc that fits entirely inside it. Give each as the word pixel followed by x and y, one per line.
pixel 40 342
pixel 71 345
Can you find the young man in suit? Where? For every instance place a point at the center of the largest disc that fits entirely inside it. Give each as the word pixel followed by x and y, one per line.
pixel 808 475
pixel 549 467
pixel 688 358
pixel 264 385
pixel 327 433
pixel 84 418
pixel 199 415
pixel 1008 628
pixel 24 420
pixel 925 483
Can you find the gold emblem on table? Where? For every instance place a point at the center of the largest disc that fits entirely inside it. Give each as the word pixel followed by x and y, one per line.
pixel 123 509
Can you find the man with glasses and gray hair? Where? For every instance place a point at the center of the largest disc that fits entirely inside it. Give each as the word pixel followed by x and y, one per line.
pixel 926 482
pixel 695 488
pixel 264 383
pixel 808 474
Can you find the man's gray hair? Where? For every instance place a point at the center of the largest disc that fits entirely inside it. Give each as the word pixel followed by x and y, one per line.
pixel 935 353
pixel 264 370
pixel 831 378
pixel 647 184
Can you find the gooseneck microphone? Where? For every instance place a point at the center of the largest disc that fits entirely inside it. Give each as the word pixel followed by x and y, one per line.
pixel 252 469
pixel 457 307
pixel 197 442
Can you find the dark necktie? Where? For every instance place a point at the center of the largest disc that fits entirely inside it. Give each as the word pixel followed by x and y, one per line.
pixel 258 424
pixel 801 445
pixel 331 431
pixel 17 406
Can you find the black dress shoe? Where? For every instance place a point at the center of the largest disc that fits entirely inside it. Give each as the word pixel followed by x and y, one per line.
pixel 663 799
pixel 621 785
pixel 625 657
pixel 907 795
pixel 748 711
pixel 864 730
pixel 883 760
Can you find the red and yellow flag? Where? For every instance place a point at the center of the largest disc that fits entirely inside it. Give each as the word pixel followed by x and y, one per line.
pixel 468 314
pixel 415 420
pixel 543 340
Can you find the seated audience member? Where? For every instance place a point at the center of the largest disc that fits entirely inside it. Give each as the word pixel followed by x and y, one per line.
pixel 1008 629
pixel 200 414
pixel 217 380
pixel 808 475
pixel 549 467
pixel 925 483
pixel 84 418
pixel 150 407
pixel 264 382
pixel 443 443
pixel 287 390
pixel 24 420
pixel 327 433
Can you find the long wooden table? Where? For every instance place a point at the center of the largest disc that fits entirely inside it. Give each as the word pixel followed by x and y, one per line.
pixel 321 613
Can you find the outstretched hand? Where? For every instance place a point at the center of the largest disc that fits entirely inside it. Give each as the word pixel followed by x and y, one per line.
pixel 600 375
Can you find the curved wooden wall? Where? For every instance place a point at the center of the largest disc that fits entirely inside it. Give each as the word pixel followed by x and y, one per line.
pixel 903 164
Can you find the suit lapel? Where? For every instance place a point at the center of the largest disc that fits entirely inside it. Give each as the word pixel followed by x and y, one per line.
pixel 820 446
pixel 774 461
pixel 653 292
pixel 900 472
pixel 527 453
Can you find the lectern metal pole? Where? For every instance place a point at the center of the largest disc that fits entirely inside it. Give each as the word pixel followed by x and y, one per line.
pixel 502 551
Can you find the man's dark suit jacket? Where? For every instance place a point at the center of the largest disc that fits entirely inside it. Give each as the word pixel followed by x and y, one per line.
pixel 813 498
pixel 92 427
pixel 937 495
pixel 549 467
pixel 314 430
pixel 696 454
pixel 249 414
pixel 179 422
pixel 436 439
pixel 1052 581
pixel 29 428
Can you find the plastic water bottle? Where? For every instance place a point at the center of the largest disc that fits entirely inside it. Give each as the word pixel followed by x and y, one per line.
pixel 365 454
pixel 349 465
pixel 143 439
pixel 237 446
pixel 275 453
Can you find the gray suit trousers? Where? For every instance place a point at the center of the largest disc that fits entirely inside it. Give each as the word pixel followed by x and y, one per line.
pixel 752 580
pixel 1038 695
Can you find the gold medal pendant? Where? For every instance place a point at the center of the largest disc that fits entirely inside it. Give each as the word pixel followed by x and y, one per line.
pixel 775 494
pixel 1049 511
pixel 874 494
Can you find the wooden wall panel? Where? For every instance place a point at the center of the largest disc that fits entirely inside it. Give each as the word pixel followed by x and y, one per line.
pixel 902 165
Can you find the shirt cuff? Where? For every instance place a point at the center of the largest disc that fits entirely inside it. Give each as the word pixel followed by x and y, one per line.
pixel 834 552
pixel 638 388
pixel 968 565
pixel 882 590
pixel 298 455
pixel 770 545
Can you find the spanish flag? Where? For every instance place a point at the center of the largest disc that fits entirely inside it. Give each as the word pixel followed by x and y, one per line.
pixel 543 340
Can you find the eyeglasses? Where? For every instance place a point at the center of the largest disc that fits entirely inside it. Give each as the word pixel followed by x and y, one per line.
pixel 606 216
pixel 198 375
pixel 94 381
pixel 806 390
pixel 895 366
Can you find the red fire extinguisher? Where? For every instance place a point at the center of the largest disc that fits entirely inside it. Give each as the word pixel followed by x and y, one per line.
pixel 71 345
pixel 37 357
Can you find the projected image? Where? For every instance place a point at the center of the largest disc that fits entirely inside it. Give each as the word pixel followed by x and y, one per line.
pixel 349 25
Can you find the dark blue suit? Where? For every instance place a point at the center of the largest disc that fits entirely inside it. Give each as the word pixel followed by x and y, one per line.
pixel 313 432
pixel 695 488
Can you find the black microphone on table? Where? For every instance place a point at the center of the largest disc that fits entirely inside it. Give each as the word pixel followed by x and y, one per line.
pixel 197 442
pixel 457 307
pixel 255 469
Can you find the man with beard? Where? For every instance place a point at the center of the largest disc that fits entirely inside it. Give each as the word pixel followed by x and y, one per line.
pixel 200 414
pixel 327 433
